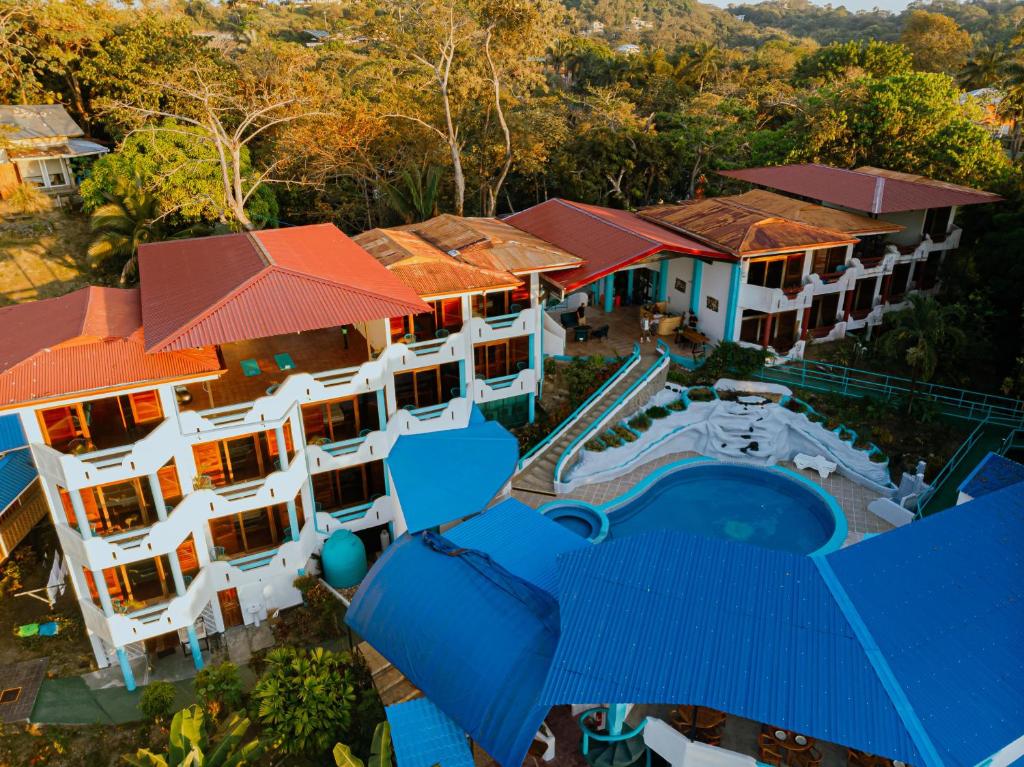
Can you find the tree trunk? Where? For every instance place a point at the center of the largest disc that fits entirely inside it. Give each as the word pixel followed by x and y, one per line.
pixel 456 152
pixel 237 200
pixel 493 190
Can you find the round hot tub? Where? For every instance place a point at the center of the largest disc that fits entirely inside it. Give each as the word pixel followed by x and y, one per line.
pixel 581 519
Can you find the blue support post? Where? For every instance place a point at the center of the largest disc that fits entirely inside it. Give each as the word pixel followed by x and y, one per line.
pixel 193 643
pixel 663 280
pixel 126 670
pixel 733 305
pixel 462 378
pixel 616 718
pixel 698 270
pixel 609 293
pixel 629 285
pixel 533 406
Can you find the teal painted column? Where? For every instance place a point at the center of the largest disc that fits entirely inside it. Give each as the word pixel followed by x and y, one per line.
pixel 663 280
pixel 176 574
pixel 609 290
pixel 462 378
pixel 733 305
pixel 616 718
pixel 293 519
pixel 126 670
pixel 382 410
pixel 629 285
pixel 193 643
pixel 698 270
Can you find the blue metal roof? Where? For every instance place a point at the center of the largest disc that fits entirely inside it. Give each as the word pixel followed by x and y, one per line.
pixel 993 472
pixel 446 475
pixel 11 435
pixel 672 617
pixel 520 539
pixel 423 736
pixel 17 472
pixel 943 599
pixel 475 636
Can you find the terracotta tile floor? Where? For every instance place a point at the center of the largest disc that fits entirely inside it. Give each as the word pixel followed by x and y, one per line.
pixel 853 498
pixel 313 352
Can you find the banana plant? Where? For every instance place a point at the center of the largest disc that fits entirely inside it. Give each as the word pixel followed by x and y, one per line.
pixel 189 746
pixel 381 752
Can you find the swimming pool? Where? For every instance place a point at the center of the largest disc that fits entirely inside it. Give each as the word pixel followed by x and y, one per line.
pixel 774 508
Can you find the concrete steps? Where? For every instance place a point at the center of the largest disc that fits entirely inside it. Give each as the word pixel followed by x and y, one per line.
pixel 539 476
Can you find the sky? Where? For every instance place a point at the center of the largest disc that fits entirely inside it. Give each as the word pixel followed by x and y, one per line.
pixel 852 5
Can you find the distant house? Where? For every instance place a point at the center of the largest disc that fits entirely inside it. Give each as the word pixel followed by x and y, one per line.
pixel 316 37
pixel 36 143
pixel 628 49
pixel 989 100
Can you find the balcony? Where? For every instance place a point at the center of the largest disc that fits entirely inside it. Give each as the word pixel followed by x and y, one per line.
pixel 503 387
pixel 775 300
pixel 502 326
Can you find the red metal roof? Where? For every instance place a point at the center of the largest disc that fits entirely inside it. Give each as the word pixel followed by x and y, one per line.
pixel 607 239
pixel 871 190
pixel 234 287
pixel 85 341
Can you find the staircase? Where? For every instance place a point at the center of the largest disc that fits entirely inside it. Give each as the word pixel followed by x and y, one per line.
pixel 539 476
pixel 620 753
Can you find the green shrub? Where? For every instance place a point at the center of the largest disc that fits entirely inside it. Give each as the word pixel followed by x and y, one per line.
pixel 657 412
pixel 729 359
pixel 625 433
pixel 27 200
pixel 795 405
pixel 595 445
pixel 677 405
pixel 611 438
pixel 219 688
pixel 878 457
pixel 157 700
pixel 700 394
pixel 640 422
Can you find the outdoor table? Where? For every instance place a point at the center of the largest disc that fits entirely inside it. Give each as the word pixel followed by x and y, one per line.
pixel 695 338
pixel 792 743
pixel 693 719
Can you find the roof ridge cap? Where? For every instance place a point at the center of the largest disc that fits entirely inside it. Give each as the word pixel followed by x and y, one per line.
pixel 890 683
pixel 612 224
pixel 335 283
pixel 261 248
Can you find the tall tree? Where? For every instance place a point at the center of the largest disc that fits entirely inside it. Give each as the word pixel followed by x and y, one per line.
pixel 269 97
pixel 986 67
pixel 937 42
pixel 130 217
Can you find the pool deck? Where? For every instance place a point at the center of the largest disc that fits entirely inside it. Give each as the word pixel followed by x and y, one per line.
pixel 852 498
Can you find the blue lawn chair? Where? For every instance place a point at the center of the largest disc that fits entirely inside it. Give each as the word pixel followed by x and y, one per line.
pixel 250 367
pixel 284 361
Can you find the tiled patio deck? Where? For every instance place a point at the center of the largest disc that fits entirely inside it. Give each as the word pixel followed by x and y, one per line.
pixel 623 331
pixel 853 498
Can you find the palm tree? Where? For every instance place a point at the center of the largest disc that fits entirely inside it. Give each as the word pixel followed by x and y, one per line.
pixel 189 745
pixel 986 67
pixel 921 335
pixel 130 217
pixel 417 199
pixel 703 63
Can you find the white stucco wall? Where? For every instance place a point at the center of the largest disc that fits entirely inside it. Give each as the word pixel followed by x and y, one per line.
pixel 912 220
pixel 680 269
pixel 714 283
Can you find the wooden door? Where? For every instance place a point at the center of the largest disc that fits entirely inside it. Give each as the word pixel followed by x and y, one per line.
pixel 230 609
pixel 209 461
pixel 145 407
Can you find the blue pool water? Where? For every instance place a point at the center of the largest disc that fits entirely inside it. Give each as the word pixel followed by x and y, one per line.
pixel 740 503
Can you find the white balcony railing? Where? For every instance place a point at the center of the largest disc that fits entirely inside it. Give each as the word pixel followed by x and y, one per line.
pixel 774 300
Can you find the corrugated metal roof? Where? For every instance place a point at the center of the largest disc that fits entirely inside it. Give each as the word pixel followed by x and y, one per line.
pixel 993 472
pixel 471 643
pixel 944 601
pixel 866 189
pixel 11 434
pixel 430 492
pixel 502 246
pixel 672 617
pixel 735 228
pixel 87 340
pixel 606 239
pixel 815 215
pixel 38 121
pixel 519 539
pixel 424 736
pixel 234 287
pixel 17 472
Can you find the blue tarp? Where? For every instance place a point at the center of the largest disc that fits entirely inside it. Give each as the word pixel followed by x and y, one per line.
pixel 943 599
pixel 17 472
pixel 447 475
pixel 467 635
pixel 11 435
pixel 673 617
pixel 993 472
pixel 423 736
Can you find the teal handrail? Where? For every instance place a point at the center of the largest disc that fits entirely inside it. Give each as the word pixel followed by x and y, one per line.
pixel 598 393
pixel 589 734
pixel 951 465
pixel 963 403
pixel 1013 441
pixel 662 361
